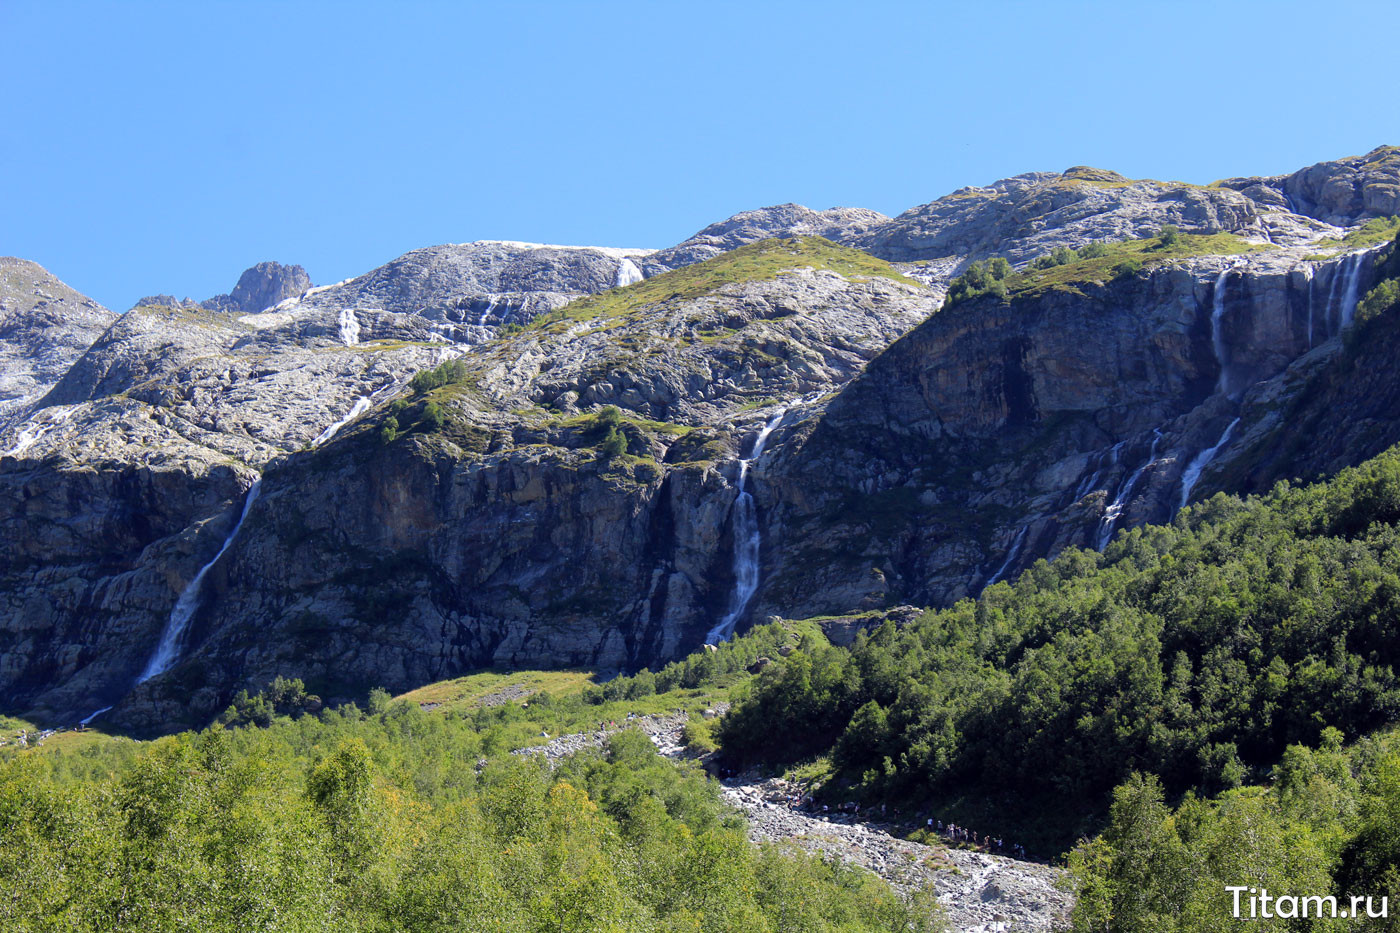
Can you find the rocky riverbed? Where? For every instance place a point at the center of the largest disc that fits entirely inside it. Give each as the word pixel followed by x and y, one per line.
pixel 983 893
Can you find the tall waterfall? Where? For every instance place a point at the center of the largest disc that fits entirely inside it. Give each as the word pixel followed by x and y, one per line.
pixel 1217 337
pixel 1349 294
pixel 359 408
pixel 627 273
pixel 1011 555
pixel 1192 474
pixel 746 541
pixel 1109 522
pixel 169 647
pixel 349 327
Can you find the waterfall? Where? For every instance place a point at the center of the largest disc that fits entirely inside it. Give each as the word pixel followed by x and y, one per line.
pixel 746 541
pixel 1011 556
pixel 91 716
pixel 1192 473
pixel 1349 295
pixel 1092 481
pixel 349 327
pixel 169 646
pixel 1312 283
pixel 1333 287
pixel 1109 521
pixel 361 405
pixel 1217 338
pixel 485 315
pixel 39 425
pixel 627 273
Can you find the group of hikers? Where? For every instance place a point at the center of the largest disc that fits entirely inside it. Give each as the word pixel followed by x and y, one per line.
pixel 985 841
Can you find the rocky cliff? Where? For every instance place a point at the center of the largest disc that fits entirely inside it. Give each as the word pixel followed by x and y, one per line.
pixel 564 488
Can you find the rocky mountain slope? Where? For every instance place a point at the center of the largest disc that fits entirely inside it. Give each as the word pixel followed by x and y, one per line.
pixel 268 492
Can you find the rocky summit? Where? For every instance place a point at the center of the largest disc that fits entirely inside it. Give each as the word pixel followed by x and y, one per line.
pixel 514 454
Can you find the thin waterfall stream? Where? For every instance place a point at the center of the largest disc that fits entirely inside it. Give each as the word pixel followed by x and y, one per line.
pixel 747 541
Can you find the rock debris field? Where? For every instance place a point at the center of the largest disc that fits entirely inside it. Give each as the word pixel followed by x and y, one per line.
pixel 983 893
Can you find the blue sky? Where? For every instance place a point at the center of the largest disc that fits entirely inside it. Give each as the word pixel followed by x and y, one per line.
pixel 150 147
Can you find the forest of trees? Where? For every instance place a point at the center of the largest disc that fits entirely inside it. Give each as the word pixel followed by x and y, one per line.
pixel 401 820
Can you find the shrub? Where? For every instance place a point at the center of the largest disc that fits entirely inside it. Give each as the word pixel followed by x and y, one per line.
pixel 1169 235
pixel 698 735
pixel 1093 250
pixel 1378 299
pixel 389 431
pixel 1127 268
pixel 434 416
pixel 452 371
pixel 985 277
pixel 614 444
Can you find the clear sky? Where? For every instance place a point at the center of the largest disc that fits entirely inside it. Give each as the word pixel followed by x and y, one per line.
pixel 151 147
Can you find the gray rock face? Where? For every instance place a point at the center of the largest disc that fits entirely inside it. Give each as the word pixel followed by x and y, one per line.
pixel 44 327
pixel 263 286
pixel 838 224
pixel 995 434
pixel 492 281
pixel 1344 192
pixel 1023 217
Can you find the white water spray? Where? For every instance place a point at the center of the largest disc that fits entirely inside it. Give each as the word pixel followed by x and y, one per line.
pixel 627 273
pixel 1192 474
pixel 746 541
pixel 359 408
pixel 1011 555
pixel 1109 522
pixel 169 647
pixel 349 327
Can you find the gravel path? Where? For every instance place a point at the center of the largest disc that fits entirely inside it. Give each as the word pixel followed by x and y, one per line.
pixel 983 893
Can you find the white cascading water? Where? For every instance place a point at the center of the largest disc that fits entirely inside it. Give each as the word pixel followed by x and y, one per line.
pixel 1011 555
pixel 1349 294
pixel 1312 287
pixel 169 647
pixel 486 315
pixel 1192 474
pixel 1217 337
pixel 627 273
pixel 41 424
pixel 91 716
pixel 349 327
pixel 1109 522
pixel 746 541
pixel 359 408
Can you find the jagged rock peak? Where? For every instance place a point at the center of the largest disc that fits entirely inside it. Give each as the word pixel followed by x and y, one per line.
pixel 259 288
pixel 266 284
pixel 838 224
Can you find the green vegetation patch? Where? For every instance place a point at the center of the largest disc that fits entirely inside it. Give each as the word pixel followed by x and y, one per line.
pixel 1126 257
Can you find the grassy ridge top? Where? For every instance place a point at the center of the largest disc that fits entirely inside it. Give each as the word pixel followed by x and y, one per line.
pixel 1149 252
pixel 752 262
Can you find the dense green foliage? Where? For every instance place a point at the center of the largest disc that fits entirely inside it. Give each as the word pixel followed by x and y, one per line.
pixel 1196 652
pixel 1386 293
pixel 1327 826
pixel 447 373
pixel 984 277
pixel 404 820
